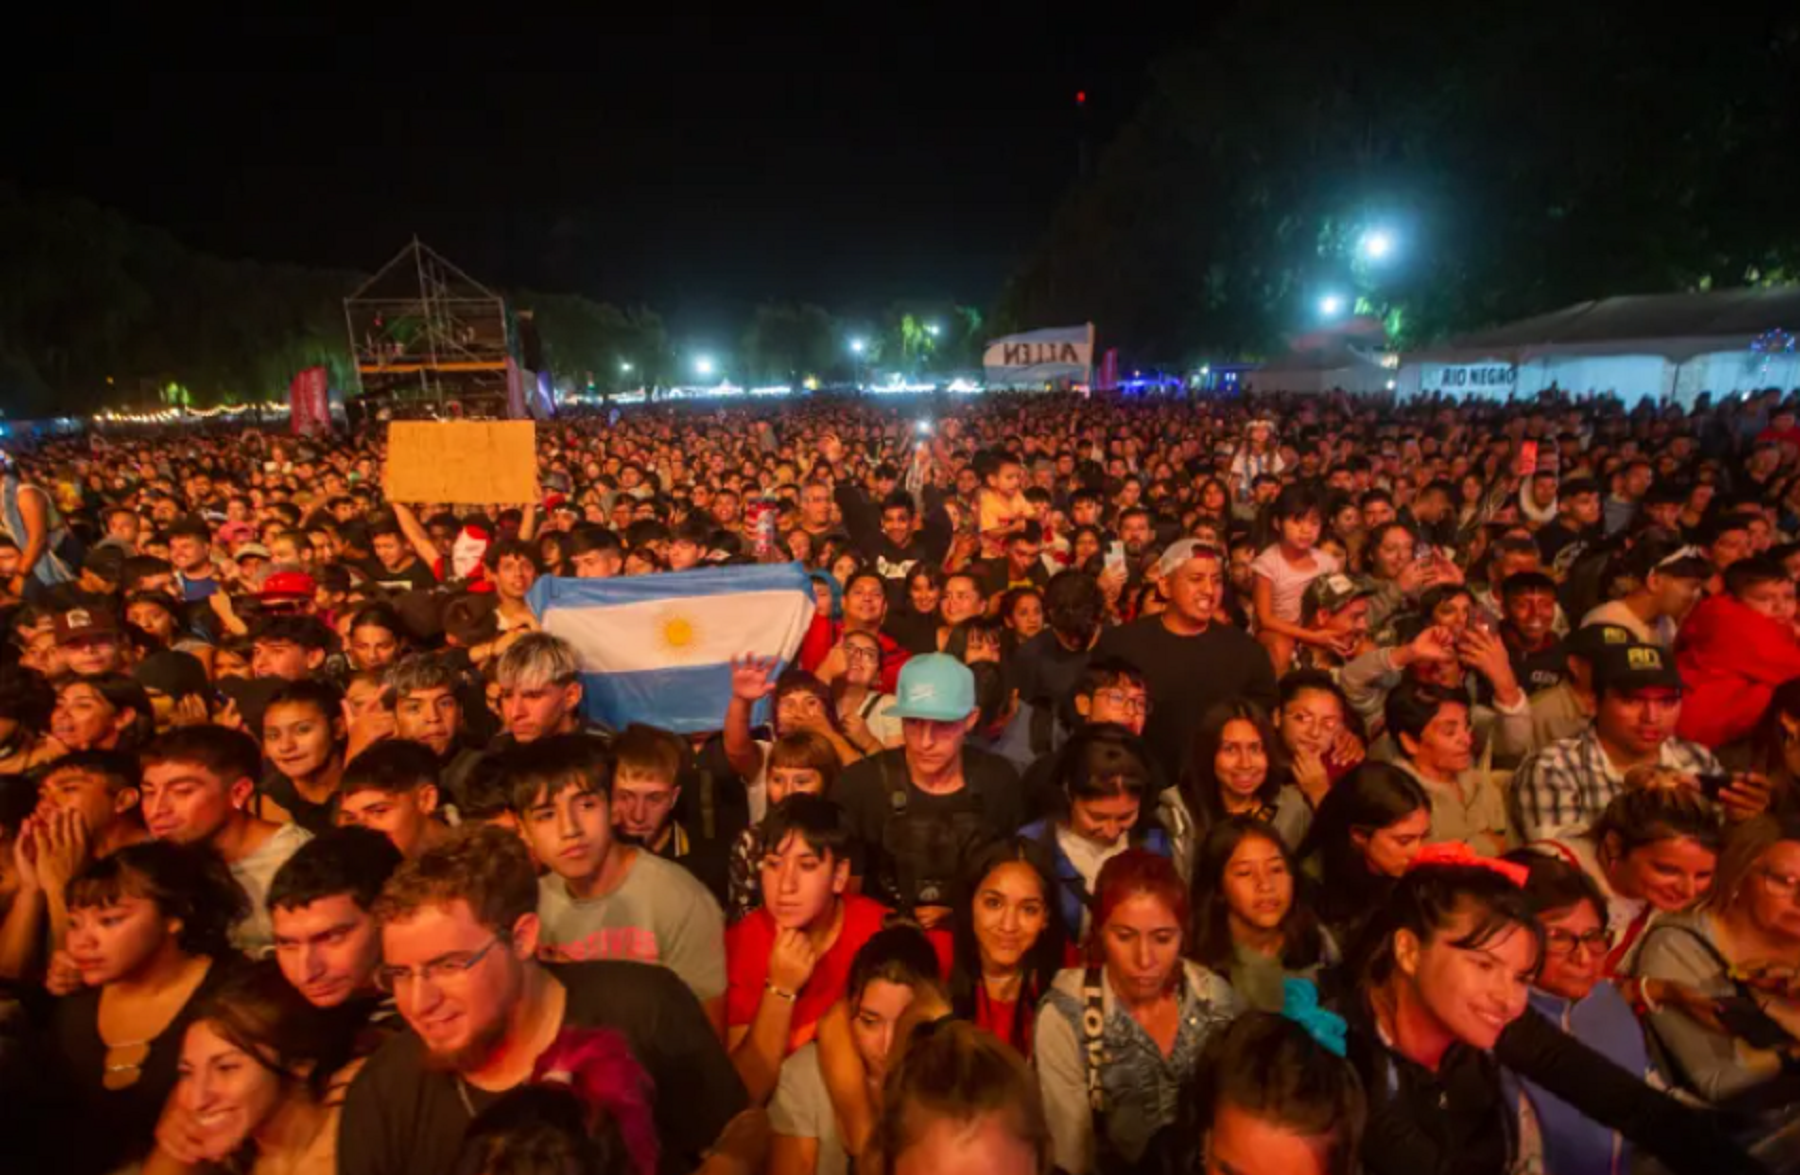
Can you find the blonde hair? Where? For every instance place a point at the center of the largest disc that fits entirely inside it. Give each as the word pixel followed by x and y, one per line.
pixel 1745 846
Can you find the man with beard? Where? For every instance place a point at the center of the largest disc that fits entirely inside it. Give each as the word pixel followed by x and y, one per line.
pixel 460 938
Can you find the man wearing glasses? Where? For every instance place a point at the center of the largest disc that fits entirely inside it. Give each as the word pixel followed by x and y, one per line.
pixel 459 935
pixel 1110 690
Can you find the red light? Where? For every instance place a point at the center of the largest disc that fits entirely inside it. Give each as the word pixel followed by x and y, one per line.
pixel 1081 97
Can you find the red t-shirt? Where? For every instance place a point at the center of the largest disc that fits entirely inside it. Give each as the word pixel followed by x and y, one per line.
pixel 747 948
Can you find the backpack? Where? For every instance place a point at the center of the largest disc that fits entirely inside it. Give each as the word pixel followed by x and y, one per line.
pixel 923 855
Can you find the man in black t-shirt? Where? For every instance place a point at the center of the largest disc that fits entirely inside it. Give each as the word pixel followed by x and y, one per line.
pixel 1528 607
pixel 920 809
pixel 1577 524
pixel 459 943
pixel 1191 661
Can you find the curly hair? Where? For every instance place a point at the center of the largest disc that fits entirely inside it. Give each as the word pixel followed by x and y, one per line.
pixel 485 866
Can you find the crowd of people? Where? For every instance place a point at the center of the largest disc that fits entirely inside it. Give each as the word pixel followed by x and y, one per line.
pixel 1302 785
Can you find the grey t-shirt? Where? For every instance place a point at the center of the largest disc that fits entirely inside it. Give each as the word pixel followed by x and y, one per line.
pixel 255 935
pixel 660 914
pixel 801 1108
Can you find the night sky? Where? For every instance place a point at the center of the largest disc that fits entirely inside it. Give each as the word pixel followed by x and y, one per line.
pixel 694 162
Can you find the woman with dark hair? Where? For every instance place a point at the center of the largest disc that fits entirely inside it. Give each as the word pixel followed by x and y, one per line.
pixel 377 637
pixel 1008 941
pixel 962 601
pixel 1445 972
pixel 1651 854
pixel 1085 546
pixel 1370 827
pixel 1022 611
pixel 1252 922
pixel 1101 777
pixel 106 713
pixel 1117 1038
pixel 1269 1098
pixel 1320 737
pixel 302 733
pixel 149 940
pixel 259 1065
pixel 1571 991
pixel 552 549
pixel 913 624
pixel 1230 772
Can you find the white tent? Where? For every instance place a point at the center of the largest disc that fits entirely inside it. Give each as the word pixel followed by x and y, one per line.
pixel 1338 363
pixel 1657 345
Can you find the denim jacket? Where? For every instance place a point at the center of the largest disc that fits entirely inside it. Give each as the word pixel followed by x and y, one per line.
pixel 1141 1086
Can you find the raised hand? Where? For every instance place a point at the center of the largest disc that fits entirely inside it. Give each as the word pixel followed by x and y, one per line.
pixel 753 677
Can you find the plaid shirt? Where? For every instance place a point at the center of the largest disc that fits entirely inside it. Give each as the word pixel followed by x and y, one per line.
pixel 1563 788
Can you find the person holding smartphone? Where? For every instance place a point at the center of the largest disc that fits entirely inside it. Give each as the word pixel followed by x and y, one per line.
pixel 1742 948
pixel 1563 787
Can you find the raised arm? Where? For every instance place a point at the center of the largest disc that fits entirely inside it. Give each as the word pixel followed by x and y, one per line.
pixel 752 679
pixel 416 533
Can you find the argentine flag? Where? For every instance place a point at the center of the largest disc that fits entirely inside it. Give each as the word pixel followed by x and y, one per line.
pixel 657 648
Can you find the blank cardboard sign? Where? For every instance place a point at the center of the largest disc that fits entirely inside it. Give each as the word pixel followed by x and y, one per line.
pixel 464 462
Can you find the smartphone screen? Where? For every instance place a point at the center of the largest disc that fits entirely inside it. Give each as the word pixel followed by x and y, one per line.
pixel 1528 455
pixel 1115 556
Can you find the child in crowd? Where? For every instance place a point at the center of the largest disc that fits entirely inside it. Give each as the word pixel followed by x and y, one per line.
pixel 1284 569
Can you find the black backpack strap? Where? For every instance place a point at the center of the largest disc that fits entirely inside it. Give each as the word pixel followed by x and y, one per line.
pixel 709 805
pixel 893 784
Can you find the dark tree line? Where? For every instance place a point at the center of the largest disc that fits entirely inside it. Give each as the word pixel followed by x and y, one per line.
pixel 99 312
pixel 1526 157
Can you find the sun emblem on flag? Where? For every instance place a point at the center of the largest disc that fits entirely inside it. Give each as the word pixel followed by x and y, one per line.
pixel 677 631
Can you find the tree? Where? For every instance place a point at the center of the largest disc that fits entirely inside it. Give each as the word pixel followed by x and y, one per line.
pixel 1241 190
pixel 786 342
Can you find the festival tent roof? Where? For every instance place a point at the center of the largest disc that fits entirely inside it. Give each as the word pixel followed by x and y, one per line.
pixel 1675 326
pixel 1337 363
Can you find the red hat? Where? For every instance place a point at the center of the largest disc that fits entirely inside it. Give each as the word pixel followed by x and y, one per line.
pixel 288 585
pixel 78 624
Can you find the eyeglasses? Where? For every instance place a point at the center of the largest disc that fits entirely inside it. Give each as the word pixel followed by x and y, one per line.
pixel 443 969
pixel 861 653
pixel 1562 942
pixel 1782 885
pixel 1121 700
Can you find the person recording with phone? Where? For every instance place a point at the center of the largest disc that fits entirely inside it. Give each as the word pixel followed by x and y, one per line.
pixel 1563 787
pixel 1446 645
pixel 1741 947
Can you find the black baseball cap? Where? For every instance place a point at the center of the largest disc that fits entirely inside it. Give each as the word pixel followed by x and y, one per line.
pixel 1633 667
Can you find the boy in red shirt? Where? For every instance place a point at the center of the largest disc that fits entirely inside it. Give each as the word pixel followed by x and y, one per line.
pixel 789 961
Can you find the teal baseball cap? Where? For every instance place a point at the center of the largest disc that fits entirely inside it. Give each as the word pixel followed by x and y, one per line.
pixel 935 687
